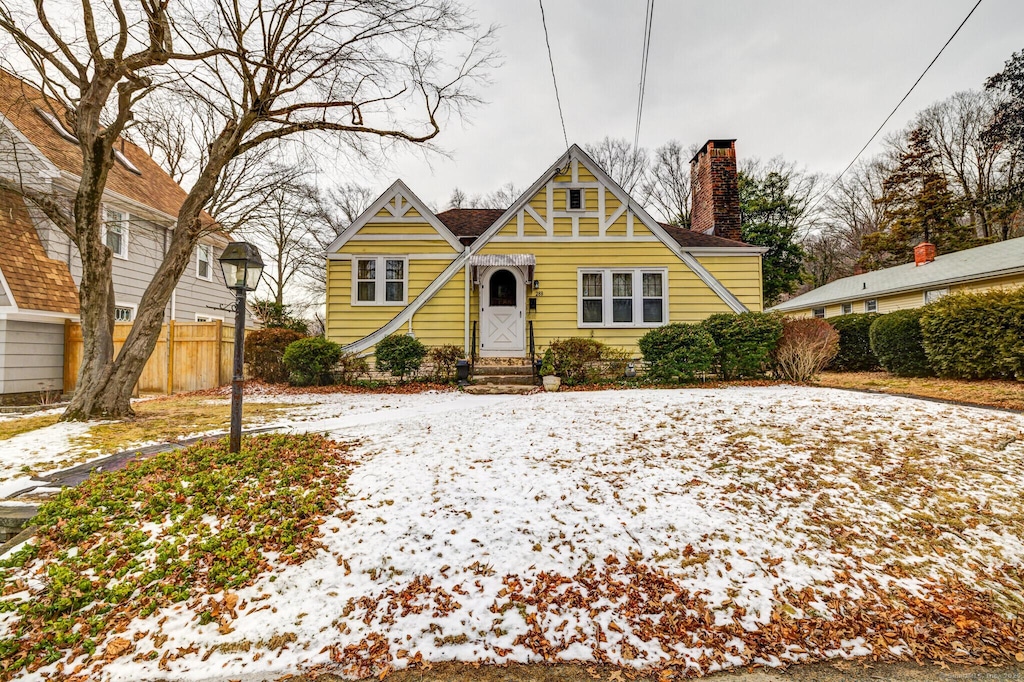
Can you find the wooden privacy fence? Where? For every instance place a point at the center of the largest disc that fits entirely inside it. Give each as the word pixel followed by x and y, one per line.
pixel 188 357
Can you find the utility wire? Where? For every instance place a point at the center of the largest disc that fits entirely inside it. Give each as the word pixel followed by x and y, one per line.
pixel 893 112
pixel 554 80
pixel 649 21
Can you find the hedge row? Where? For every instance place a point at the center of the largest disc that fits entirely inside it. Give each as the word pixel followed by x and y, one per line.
pixel 976 335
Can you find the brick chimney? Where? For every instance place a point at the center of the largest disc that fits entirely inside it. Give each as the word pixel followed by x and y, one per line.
pixel 714 190
pixel 924 253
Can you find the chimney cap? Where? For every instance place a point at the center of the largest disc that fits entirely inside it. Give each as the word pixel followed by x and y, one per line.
pixel 722 143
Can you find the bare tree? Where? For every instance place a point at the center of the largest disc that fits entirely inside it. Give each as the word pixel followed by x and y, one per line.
pixel 626 165
pixel 340 70
pixel 971 165
pixel 332 211
pixel 667 184
pixel 502 198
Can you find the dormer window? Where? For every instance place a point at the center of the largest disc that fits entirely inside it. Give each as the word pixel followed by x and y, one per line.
pixel 575 199
pixel 67 135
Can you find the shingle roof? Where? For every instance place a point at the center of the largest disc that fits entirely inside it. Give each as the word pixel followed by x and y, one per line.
pixel 37 282
pixel 469 223
pixel 981 262
pixel 19 102
pixel 692 240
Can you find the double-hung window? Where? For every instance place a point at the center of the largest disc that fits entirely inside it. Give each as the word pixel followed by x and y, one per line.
pixel 847 308
pixel 934 295
pixel 871 305
pixel 616 297
pixel 380 280
pixel 818 312
pixel 204 262
pixel 115 232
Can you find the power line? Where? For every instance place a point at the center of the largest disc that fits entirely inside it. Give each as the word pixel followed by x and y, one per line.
pixel 554 80
pixel 893 112
pixel 648 23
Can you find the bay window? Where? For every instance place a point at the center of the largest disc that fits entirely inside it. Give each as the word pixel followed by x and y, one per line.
pixel 619 297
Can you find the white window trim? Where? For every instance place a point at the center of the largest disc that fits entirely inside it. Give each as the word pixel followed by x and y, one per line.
pixel 125 232
pixel 845 308
pixel 944 291
pixel 583 199
pixel 209 260
pixel 380 281
pixel 131 306
pixel 208 318
pixel 823 310
pixel 867 309
pixel 606 298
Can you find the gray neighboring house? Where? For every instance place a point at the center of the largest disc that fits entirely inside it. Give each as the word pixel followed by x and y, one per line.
pixel 40 269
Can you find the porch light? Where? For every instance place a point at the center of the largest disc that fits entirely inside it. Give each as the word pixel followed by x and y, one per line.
pixel 242 266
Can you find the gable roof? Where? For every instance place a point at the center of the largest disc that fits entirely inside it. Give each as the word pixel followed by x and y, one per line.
pixel 397 188
pixel 698 240
pixel 21 103
pixel 576 153
pixel 981 262
pixel 36 281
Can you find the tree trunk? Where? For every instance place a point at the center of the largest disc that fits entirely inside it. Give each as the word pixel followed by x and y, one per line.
pixel 105 383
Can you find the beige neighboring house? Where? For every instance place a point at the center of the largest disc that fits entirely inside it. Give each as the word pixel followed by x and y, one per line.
pixel 929 277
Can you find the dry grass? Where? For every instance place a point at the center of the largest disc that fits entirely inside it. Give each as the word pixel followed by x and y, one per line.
pixel 9 428
pixel 991 393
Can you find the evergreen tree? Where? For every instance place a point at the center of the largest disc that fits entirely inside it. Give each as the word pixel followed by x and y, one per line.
pixel 770 210
pixel 919 206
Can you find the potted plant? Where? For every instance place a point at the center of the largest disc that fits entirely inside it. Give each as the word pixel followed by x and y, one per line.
pixel 547 372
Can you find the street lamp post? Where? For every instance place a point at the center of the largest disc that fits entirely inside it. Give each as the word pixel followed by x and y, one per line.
pixel 242 267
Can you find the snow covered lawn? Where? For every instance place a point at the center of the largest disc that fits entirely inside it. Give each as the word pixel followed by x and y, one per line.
pixel 677 530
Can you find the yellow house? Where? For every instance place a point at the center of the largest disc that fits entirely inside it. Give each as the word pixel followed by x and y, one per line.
pixel 912 285
pixel 575 255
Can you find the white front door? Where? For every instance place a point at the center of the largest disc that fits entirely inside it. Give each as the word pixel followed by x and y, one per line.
pixel 502 312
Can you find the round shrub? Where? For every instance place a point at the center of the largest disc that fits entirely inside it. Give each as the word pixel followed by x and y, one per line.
pixel 400 355
pixel 976 335
pixel 896 342
pixel 264 353
pixel 310 361
pixel 576 359
pixel 678 352
pixel 855 353
pixel 745 342
pixel 806 347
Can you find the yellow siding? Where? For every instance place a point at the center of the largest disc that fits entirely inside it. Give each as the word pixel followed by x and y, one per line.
pixel 741 275
pixel 347 323
pixel 399 228
pixel 690 300
pixel 442 319
pixel 915 298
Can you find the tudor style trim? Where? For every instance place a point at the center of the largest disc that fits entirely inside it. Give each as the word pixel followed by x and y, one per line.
pixel 399 192
pixel 569 162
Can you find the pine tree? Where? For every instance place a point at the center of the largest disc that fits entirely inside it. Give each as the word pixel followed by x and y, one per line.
pixel 919 207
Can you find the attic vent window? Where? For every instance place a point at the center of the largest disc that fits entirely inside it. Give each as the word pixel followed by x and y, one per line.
pixel 575 199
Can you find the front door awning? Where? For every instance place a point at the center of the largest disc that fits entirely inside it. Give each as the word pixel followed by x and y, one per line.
pixel 524 261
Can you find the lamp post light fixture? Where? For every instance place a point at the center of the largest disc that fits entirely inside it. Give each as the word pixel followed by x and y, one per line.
pixel 242 267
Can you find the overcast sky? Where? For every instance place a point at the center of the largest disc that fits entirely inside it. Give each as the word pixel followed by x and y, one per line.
pixel 808 80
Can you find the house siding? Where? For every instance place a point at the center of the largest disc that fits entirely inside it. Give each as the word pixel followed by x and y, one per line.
pixel 31 356
pixel 915 298
pixel 133 274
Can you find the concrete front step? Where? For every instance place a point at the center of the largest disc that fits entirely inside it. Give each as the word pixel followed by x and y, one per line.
pixel 500 389
pixel 501 370
pixel 505 379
